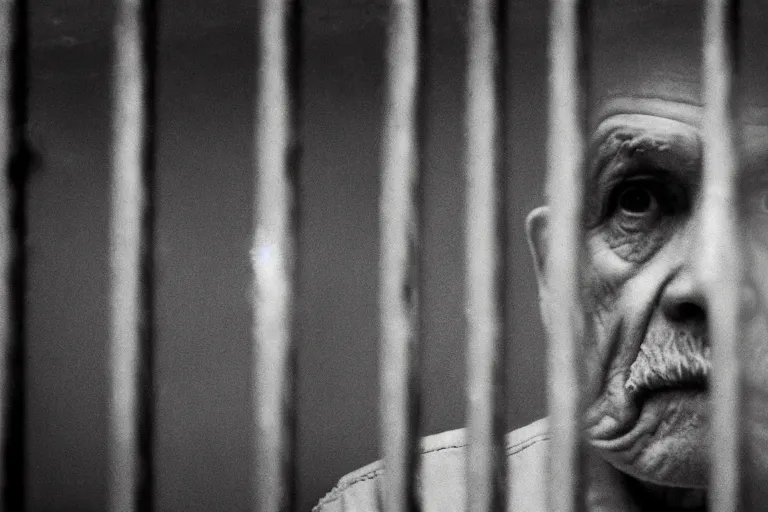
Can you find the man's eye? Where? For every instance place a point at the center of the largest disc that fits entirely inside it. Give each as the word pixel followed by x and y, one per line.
pixel 637 200
pixel 637 206
pixel 640 214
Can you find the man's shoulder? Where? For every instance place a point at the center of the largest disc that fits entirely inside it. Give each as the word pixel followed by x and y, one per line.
pixel 442 473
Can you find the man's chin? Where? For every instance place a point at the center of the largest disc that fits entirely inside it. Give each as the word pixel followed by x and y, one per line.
pixel 666 442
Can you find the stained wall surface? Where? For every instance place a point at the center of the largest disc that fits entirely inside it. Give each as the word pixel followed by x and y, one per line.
pixel 205 190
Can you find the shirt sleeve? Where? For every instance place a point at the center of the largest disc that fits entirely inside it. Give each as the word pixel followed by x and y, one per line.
pixel 358 492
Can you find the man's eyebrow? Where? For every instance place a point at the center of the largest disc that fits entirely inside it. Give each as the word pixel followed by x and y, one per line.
pixel 674 151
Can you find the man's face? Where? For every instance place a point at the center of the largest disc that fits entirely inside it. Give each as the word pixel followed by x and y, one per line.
pixel 645 305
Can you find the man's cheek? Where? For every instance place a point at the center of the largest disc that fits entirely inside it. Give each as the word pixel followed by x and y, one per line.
pixel 604 259
pixel 602 282
pixel 603 277
pixel 603 336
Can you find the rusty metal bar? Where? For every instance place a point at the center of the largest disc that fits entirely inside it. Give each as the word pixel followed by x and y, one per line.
pixel 14 158
pixel 486 270
pixel 274 252
pixel 565 190
pixel 400 217
pixel 721 263
pixel 131 259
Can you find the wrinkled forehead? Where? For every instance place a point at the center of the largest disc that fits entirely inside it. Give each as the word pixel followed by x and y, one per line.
pixel 645 58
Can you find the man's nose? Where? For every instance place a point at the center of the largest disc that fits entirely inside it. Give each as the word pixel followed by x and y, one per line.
pixel 683 300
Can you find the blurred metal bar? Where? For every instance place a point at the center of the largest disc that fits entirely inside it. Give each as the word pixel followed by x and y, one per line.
pixel 400 217
pixel 565 190
pixel 14 158
pixel 131 259
pixel 486 270
pixel 275 251
pixel 721 263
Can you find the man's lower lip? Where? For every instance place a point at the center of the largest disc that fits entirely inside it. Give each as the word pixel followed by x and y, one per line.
pixel 609 429
pixel 623 437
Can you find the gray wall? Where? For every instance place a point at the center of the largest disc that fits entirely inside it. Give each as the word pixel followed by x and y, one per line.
pixel 205 186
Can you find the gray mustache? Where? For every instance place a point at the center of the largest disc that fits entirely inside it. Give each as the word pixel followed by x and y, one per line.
pixel 669 359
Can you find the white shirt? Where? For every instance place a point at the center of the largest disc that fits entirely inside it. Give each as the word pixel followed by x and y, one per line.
pixel 441 482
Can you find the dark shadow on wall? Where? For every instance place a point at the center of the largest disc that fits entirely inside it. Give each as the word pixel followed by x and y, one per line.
pixel 205 187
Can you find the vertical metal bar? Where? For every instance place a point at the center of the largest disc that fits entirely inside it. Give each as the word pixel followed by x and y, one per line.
pixel 14 158
pixel 486 272
pixel 400 217
pixel 565 189
pixel 275 251
pixel 720 263
pixel 131 259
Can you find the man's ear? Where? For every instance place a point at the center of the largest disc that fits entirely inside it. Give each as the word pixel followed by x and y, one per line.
pixel 536 228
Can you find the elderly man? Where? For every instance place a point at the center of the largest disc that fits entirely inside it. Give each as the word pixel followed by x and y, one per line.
pixel 646 425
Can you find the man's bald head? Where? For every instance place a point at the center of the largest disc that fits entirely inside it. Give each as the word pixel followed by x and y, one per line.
pixel 653 50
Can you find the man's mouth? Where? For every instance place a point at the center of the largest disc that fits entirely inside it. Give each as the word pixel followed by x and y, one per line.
pixel 671 367
pixel 670 360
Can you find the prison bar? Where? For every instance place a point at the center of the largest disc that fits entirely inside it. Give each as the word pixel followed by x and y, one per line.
pixel 14 159
pixel 400 223
pixel 485 244
pixel 565 191
pixel 275 251
pixel 131 259
pixel 720 263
